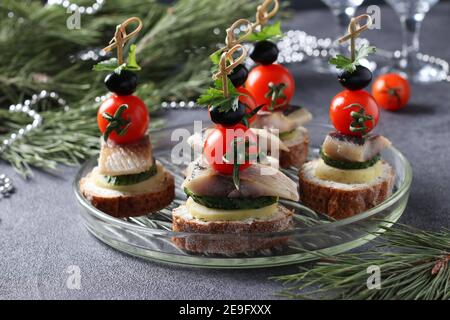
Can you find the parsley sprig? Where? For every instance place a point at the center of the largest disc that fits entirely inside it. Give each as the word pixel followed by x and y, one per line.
pixel 214 96
pixel 347 64
pixel 112 64
pixel 269 32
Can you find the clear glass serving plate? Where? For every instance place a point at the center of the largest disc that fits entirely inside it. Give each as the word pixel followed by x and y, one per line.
pixel 151 237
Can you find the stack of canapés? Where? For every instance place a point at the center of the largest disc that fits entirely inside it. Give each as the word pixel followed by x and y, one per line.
pixel 128 180
pixel 233 188
pixel 349 177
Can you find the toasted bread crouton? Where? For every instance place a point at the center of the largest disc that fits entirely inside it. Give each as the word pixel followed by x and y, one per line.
pixel 340 200
pixel 229 237
pixel 122 204
pixel 298 150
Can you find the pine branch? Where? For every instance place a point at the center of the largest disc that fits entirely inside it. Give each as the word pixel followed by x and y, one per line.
pixel 40 53
pixel 414 264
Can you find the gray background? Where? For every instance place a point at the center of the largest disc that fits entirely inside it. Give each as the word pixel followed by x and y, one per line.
pixel 41 232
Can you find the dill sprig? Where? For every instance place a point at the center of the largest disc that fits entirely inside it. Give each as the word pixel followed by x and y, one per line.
pixel 414 264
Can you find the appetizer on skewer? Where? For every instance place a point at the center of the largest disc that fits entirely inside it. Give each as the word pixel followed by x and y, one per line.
pixel 266 95
pixel 273 86
pixel 350 176
pixel 229 192
pixel 128 180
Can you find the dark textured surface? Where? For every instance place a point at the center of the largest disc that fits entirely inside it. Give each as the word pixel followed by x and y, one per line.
pixel 41 232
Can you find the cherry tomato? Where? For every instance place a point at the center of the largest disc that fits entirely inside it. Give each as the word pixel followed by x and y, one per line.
pixel 220 144
pixel 262 77
pixel 135 118
pixel 248 100
pixel 391 91
pixel 354 112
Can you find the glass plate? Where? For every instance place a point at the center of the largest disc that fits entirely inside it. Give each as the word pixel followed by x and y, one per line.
pixel 150 237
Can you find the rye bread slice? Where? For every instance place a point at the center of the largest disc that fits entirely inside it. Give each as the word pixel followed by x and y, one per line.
pixel 238 237
pixel 298 150
pixel 340 200
pixel 121 205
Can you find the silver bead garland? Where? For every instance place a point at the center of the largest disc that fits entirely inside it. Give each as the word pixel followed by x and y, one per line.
pixel 6 186
pixel 297 44
pixel 93 9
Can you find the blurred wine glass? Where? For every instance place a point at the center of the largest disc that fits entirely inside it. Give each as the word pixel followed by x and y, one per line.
pixel 411 14
pixel 343 11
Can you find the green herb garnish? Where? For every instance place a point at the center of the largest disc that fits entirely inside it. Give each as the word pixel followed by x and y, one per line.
pixel 346 64
pixel 269 32
pixel 276 91
pixel 359 119
pixel 215 97
pixel 112 64
pixel 117 123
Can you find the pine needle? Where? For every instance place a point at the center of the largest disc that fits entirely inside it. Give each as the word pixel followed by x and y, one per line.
pixel 414 264
pixel 39 53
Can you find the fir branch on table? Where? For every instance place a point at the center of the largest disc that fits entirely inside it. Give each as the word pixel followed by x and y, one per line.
pixel 414 264
pixel 39 53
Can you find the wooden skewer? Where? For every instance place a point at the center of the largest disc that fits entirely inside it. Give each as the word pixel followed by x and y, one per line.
pixel 354 31
pixel 121 37
pixel 227 64
pixel 230 39
pixel 262 16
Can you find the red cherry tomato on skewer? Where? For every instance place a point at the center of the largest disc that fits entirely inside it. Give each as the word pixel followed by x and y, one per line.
pixel 219 144
pixel 131 122
pixel 263 77
pixel 354 112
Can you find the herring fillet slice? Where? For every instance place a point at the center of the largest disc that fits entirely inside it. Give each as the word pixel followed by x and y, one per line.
pixel 256 181
pixel 284 123
pixel 124 159
pixel 340 147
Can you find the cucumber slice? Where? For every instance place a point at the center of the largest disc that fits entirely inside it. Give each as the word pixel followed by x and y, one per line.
pixel 129 179
pixel 348 165
pixel 231 203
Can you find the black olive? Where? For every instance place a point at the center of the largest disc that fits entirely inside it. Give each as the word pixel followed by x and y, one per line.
pixel 239 75
pixel 357 79
pixel 229 118
pixel 122 84
pixel 264 52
